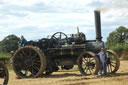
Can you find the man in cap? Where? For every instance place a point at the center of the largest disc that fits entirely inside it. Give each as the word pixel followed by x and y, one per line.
pixel 103 59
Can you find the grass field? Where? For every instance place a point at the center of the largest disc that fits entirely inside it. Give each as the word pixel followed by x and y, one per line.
pixel 73 77
pixel 4 55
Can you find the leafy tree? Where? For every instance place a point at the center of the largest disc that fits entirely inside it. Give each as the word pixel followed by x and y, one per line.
pixel 9 43
pixel 119 36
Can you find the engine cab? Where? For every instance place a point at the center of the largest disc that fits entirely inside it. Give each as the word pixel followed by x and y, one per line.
pixel 78 38
pixel 60 39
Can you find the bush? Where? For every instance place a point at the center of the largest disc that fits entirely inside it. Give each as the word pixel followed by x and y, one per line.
pixel 9 43
pixel 124 57
pixel 119 48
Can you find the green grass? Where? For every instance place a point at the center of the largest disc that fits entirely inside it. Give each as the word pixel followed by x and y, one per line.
pixel 4 55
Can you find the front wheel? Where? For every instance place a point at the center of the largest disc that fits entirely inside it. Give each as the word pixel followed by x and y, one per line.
pixel 88 63
pixel 113 61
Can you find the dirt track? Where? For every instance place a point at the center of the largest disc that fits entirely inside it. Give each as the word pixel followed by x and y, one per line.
pixel 73 77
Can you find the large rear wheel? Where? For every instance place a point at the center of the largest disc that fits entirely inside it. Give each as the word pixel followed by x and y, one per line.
pixel 88 63
pixel 4 75
pixel 29 62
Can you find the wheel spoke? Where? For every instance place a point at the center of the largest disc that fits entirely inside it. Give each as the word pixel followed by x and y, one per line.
pixel 21 57
pixel 31 70
pixel 35 68
pixel 34 56
pixel 89 65
pixel 113 62
pixel 90 71
pixel 83 62
pixel 30 53
pixel 35 63
pixel 86 70
pixel 26 72
pixel 19 72
pixel 91 59
pixel 108 68
pixel 85 59
pixel 24 53
pixel 36 59
pixel 112 65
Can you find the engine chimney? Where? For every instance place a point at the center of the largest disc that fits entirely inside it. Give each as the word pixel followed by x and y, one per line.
pixel 98 25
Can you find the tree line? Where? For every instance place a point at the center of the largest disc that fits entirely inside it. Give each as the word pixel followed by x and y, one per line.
pixel 118 40
pixel 9 43
pixel 119 36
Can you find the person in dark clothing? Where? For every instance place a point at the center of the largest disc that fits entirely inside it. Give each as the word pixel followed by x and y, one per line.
pixel 23 41
pixel 103 60
pixel 10 59
pixel 12 52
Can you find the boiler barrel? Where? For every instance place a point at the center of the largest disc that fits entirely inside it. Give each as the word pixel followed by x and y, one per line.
pixel 94 46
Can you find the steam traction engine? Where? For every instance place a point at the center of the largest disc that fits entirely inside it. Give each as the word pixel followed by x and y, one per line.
pixel 44 56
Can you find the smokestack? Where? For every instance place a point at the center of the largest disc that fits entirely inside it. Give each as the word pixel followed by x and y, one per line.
pixel 98 25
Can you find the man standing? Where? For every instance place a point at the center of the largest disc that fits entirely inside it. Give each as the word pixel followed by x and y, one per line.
pixel 103 60
pixel 23 41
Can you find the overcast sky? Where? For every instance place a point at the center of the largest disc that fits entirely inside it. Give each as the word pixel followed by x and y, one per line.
pixel 36 19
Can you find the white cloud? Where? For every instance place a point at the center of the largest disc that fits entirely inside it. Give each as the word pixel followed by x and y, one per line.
pixel 45 21
pixel 0 6
pixel 49 16
pixel 54 3
pixel 48 19
pixel 21 2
